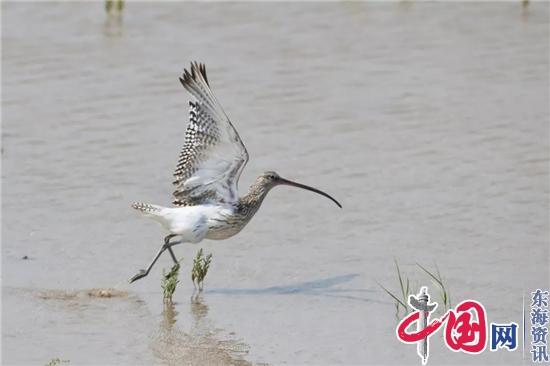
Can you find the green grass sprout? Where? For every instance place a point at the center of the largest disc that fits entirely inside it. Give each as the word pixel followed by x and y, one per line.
pixel 401 300
pixel 405 292
pixel 56 361
pixel 111 4
pixel 438 281
pixel 201 265
pixel 169 282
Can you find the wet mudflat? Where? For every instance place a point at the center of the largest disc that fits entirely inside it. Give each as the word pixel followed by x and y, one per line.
pixel 429 122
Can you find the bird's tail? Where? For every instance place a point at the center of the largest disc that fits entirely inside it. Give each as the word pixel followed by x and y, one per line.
pixel 155 212
pixel 147 208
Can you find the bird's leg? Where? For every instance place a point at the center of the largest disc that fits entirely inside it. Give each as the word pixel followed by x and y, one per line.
pixel 168 245
pixel 172 255
pixel 144 272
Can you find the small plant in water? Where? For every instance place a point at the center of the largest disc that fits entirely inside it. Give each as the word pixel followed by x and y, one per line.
pixel 169 282
pixel 401 300
pixel 112 5
pixel 438 281
pixel 56 361
pixel 200 269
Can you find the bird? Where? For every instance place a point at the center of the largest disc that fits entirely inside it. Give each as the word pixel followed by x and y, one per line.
pixel 206 203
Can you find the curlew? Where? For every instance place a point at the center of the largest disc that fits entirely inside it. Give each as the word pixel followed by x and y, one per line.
pixel 206 200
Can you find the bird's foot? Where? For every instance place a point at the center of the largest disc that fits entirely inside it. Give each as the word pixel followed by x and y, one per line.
pixel 142 273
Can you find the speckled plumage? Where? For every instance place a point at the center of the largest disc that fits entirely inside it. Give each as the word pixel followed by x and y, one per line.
pixel 213 154
pixel 206 200
pixel 208 169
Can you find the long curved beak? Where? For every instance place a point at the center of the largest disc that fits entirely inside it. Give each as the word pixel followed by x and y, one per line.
pixel 303 186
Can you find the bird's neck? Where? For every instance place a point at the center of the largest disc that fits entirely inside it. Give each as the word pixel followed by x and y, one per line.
pixel 251 202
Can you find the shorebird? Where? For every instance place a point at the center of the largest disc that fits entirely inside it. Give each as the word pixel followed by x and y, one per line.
pixel 206 200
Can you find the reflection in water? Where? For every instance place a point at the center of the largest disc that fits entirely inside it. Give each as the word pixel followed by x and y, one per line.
pixel 199 309
pixel 199 345
pixel 169 315
pixel 113 25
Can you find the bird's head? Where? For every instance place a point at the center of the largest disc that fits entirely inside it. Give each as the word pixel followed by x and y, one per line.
pixel 271 179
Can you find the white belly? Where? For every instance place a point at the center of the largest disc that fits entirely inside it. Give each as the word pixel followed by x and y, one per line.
pixel 193 223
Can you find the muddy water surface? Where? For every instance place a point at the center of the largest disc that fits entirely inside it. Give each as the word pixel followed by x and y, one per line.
pixel 429 122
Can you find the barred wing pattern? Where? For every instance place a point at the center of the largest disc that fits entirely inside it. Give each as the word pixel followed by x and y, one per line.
pixel 213 155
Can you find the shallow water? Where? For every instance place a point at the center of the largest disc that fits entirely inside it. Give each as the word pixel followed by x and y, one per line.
pixel 428 122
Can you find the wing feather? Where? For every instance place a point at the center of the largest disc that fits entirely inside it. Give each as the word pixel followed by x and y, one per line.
pixel 213 155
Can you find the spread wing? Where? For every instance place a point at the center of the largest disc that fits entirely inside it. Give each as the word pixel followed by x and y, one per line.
pixel 213 155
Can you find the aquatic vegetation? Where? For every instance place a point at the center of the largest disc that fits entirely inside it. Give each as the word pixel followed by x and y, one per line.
pixel 111 5
pixel 200 269
pixel 169 282
pixel 56 361
pixel 401 300
pixel 444 294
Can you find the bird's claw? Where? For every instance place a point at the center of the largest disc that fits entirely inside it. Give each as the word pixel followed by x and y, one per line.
pixel 142 273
